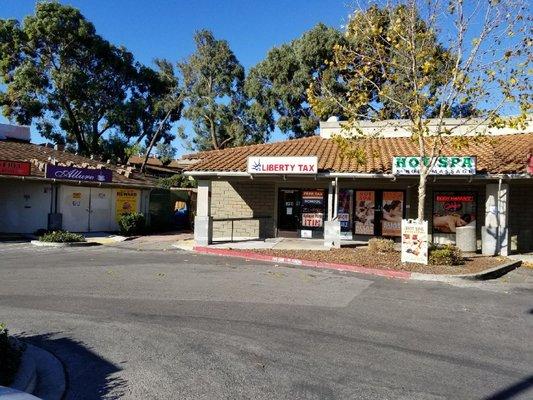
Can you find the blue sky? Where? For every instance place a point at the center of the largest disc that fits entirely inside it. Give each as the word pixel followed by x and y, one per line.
pixel 164 28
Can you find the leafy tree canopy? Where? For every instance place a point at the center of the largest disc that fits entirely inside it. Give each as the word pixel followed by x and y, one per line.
pixel 80 89
pixel 278 84
pixel 375 69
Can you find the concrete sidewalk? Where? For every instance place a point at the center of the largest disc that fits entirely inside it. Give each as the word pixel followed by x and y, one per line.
pixel 273 243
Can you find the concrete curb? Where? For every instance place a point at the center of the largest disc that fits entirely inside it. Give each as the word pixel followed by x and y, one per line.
pixel 250 255
pixel 38 243
pixel 491 273
pixel 40 374
pixel 51 382
pixel 13 394
pixel 26 378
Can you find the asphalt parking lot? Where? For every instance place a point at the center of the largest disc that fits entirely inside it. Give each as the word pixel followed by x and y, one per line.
pixel 169 324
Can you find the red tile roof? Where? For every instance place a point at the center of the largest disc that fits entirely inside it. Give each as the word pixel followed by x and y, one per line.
pixel 21 151
pixel 495 154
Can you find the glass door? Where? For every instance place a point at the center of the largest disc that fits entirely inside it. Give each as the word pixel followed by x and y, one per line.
pixel 288 209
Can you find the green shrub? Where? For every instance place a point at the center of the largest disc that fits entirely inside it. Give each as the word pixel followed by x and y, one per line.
pixel 381 245
pixel 131 223
pixel 62 237
pixel 445 255
pixel 10 354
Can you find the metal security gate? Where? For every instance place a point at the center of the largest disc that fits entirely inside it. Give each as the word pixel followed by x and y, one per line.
pixel 86 209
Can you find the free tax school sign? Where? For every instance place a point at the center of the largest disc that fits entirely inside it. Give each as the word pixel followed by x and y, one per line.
pixel 78 174
pixel 282 165
pixel 454 165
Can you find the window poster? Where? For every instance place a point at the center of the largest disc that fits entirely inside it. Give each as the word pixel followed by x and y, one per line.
pixel 452 210
pixel 365 208
pixel 345 207
pixel 313 208
pixel 391 221
pixel 126 202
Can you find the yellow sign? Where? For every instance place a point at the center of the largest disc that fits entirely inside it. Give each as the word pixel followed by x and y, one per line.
pixel 126 201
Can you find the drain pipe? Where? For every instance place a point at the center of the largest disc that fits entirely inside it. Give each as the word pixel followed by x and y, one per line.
pixel 336 200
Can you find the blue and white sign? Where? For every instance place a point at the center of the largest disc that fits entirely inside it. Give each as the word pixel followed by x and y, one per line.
pixel 282 165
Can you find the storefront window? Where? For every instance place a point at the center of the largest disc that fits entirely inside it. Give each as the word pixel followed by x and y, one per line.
pixel 345 212
pixel 452 210
pixel 312 209
pixel 391 221
pixel 365 210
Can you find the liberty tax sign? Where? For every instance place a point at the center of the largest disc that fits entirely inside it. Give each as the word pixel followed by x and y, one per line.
pixel 453 165
pixel 282 165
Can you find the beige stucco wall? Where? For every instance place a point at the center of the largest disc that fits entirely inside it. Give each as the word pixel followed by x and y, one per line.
pixel 243 199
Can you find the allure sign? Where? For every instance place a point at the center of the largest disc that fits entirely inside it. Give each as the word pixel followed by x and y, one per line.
pixel 78 174
pixel 282 165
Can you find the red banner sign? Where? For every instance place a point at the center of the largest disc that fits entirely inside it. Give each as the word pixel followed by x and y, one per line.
pixel 459 198
pixel 19 168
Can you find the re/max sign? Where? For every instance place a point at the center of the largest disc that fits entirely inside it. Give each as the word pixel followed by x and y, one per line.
pixel 452 165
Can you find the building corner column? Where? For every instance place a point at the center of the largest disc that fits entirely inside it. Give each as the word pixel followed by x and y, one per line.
pixel 495 232
pixel 332 227
pixel 203 222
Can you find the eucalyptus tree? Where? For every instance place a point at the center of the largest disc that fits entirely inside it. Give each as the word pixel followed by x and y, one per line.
pixel 278 83
pixel 79 89
pixel 212 81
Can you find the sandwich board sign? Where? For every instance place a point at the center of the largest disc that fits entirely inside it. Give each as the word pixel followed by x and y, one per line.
pixel 415 241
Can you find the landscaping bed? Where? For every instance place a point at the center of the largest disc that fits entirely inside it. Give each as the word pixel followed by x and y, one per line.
pixel 362 257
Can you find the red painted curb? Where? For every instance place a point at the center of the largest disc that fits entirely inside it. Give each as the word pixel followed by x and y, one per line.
pixel 306 263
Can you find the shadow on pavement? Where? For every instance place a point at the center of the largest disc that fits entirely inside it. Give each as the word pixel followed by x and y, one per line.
pixel 88 375
pixel 516 389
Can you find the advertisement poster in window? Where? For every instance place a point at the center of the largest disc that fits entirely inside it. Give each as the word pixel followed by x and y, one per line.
pixel 312 208
pixel 126 202
pixel 452 210
pixel 344 212
pixel 391 222
pixel 365 208
pixel 414 241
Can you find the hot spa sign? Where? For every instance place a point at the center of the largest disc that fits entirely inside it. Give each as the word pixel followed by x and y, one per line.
pixel 453 165
pixel 282 165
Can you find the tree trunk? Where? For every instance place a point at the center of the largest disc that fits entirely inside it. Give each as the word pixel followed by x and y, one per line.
pixel 153 141
pixel 421 196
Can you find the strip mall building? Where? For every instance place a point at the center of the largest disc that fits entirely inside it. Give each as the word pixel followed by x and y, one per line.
pixel 306 188
pixel 42 187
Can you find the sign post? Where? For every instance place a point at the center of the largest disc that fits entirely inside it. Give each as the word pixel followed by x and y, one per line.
pixel 415 241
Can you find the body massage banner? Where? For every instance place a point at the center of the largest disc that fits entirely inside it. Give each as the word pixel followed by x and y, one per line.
pixel 452 210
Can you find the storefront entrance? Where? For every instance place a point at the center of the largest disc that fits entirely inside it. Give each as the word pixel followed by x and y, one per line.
pixel 301 213
pixel 289 203
pixel 378 212
pixel 86 209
